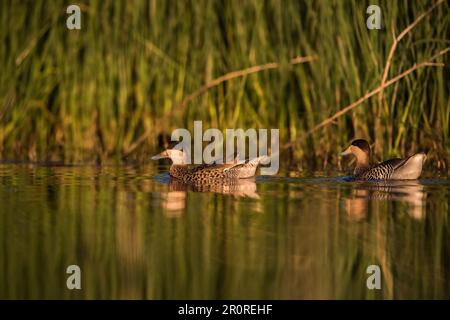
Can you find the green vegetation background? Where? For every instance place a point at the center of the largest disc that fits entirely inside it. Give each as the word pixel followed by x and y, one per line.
pixel 88 95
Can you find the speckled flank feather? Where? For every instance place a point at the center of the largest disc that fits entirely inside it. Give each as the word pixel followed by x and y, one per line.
pixel 209 174
pixel 202 174
pixel 382 171
pixel 389 170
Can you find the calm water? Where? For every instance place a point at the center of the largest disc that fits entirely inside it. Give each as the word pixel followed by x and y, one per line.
pixel 135 235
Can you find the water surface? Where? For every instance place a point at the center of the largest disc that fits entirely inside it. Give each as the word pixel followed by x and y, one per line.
pixel 137 235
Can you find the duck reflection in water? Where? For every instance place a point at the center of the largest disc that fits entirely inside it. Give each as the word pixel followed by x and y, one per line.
pixel 174 200
pixel 410 192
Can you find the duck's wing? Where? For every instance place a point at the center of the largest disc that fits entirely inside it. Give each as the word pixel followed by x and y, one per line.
pixel 235 164
pixel 393 163
pixel 246 168
pixel 238 168
pixel 215 166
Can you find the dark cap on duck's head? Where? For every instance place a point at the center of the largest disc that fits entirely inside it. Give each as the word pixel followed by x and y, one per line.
pixel 362 144
pixel 360 148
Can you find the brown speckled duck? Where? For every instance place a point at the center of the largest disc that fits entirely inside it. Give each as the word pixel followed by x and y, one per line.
pixel 208 173
pixel 393 169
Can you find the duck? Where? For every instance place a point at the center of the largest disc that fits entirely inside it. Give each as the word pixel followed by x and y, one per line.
pixel 208 173
pixel 394 169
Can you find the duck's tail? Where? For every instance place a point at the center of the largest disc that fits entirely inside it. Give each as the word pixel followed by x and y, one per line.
pixel 256 161
pixel 411 168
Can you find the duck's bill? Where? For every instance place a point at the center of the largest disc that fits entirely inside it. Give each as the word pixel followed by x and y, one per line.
pixel 162 155
pixel 346 152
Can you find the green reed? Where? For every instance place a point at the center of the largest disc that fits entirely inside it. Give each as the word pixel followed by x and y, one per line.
pixel 88 95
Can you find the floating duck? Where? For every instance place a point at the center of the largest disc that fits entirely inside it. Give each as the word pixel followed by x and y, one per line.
pixel 208 173
pixel 393 169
